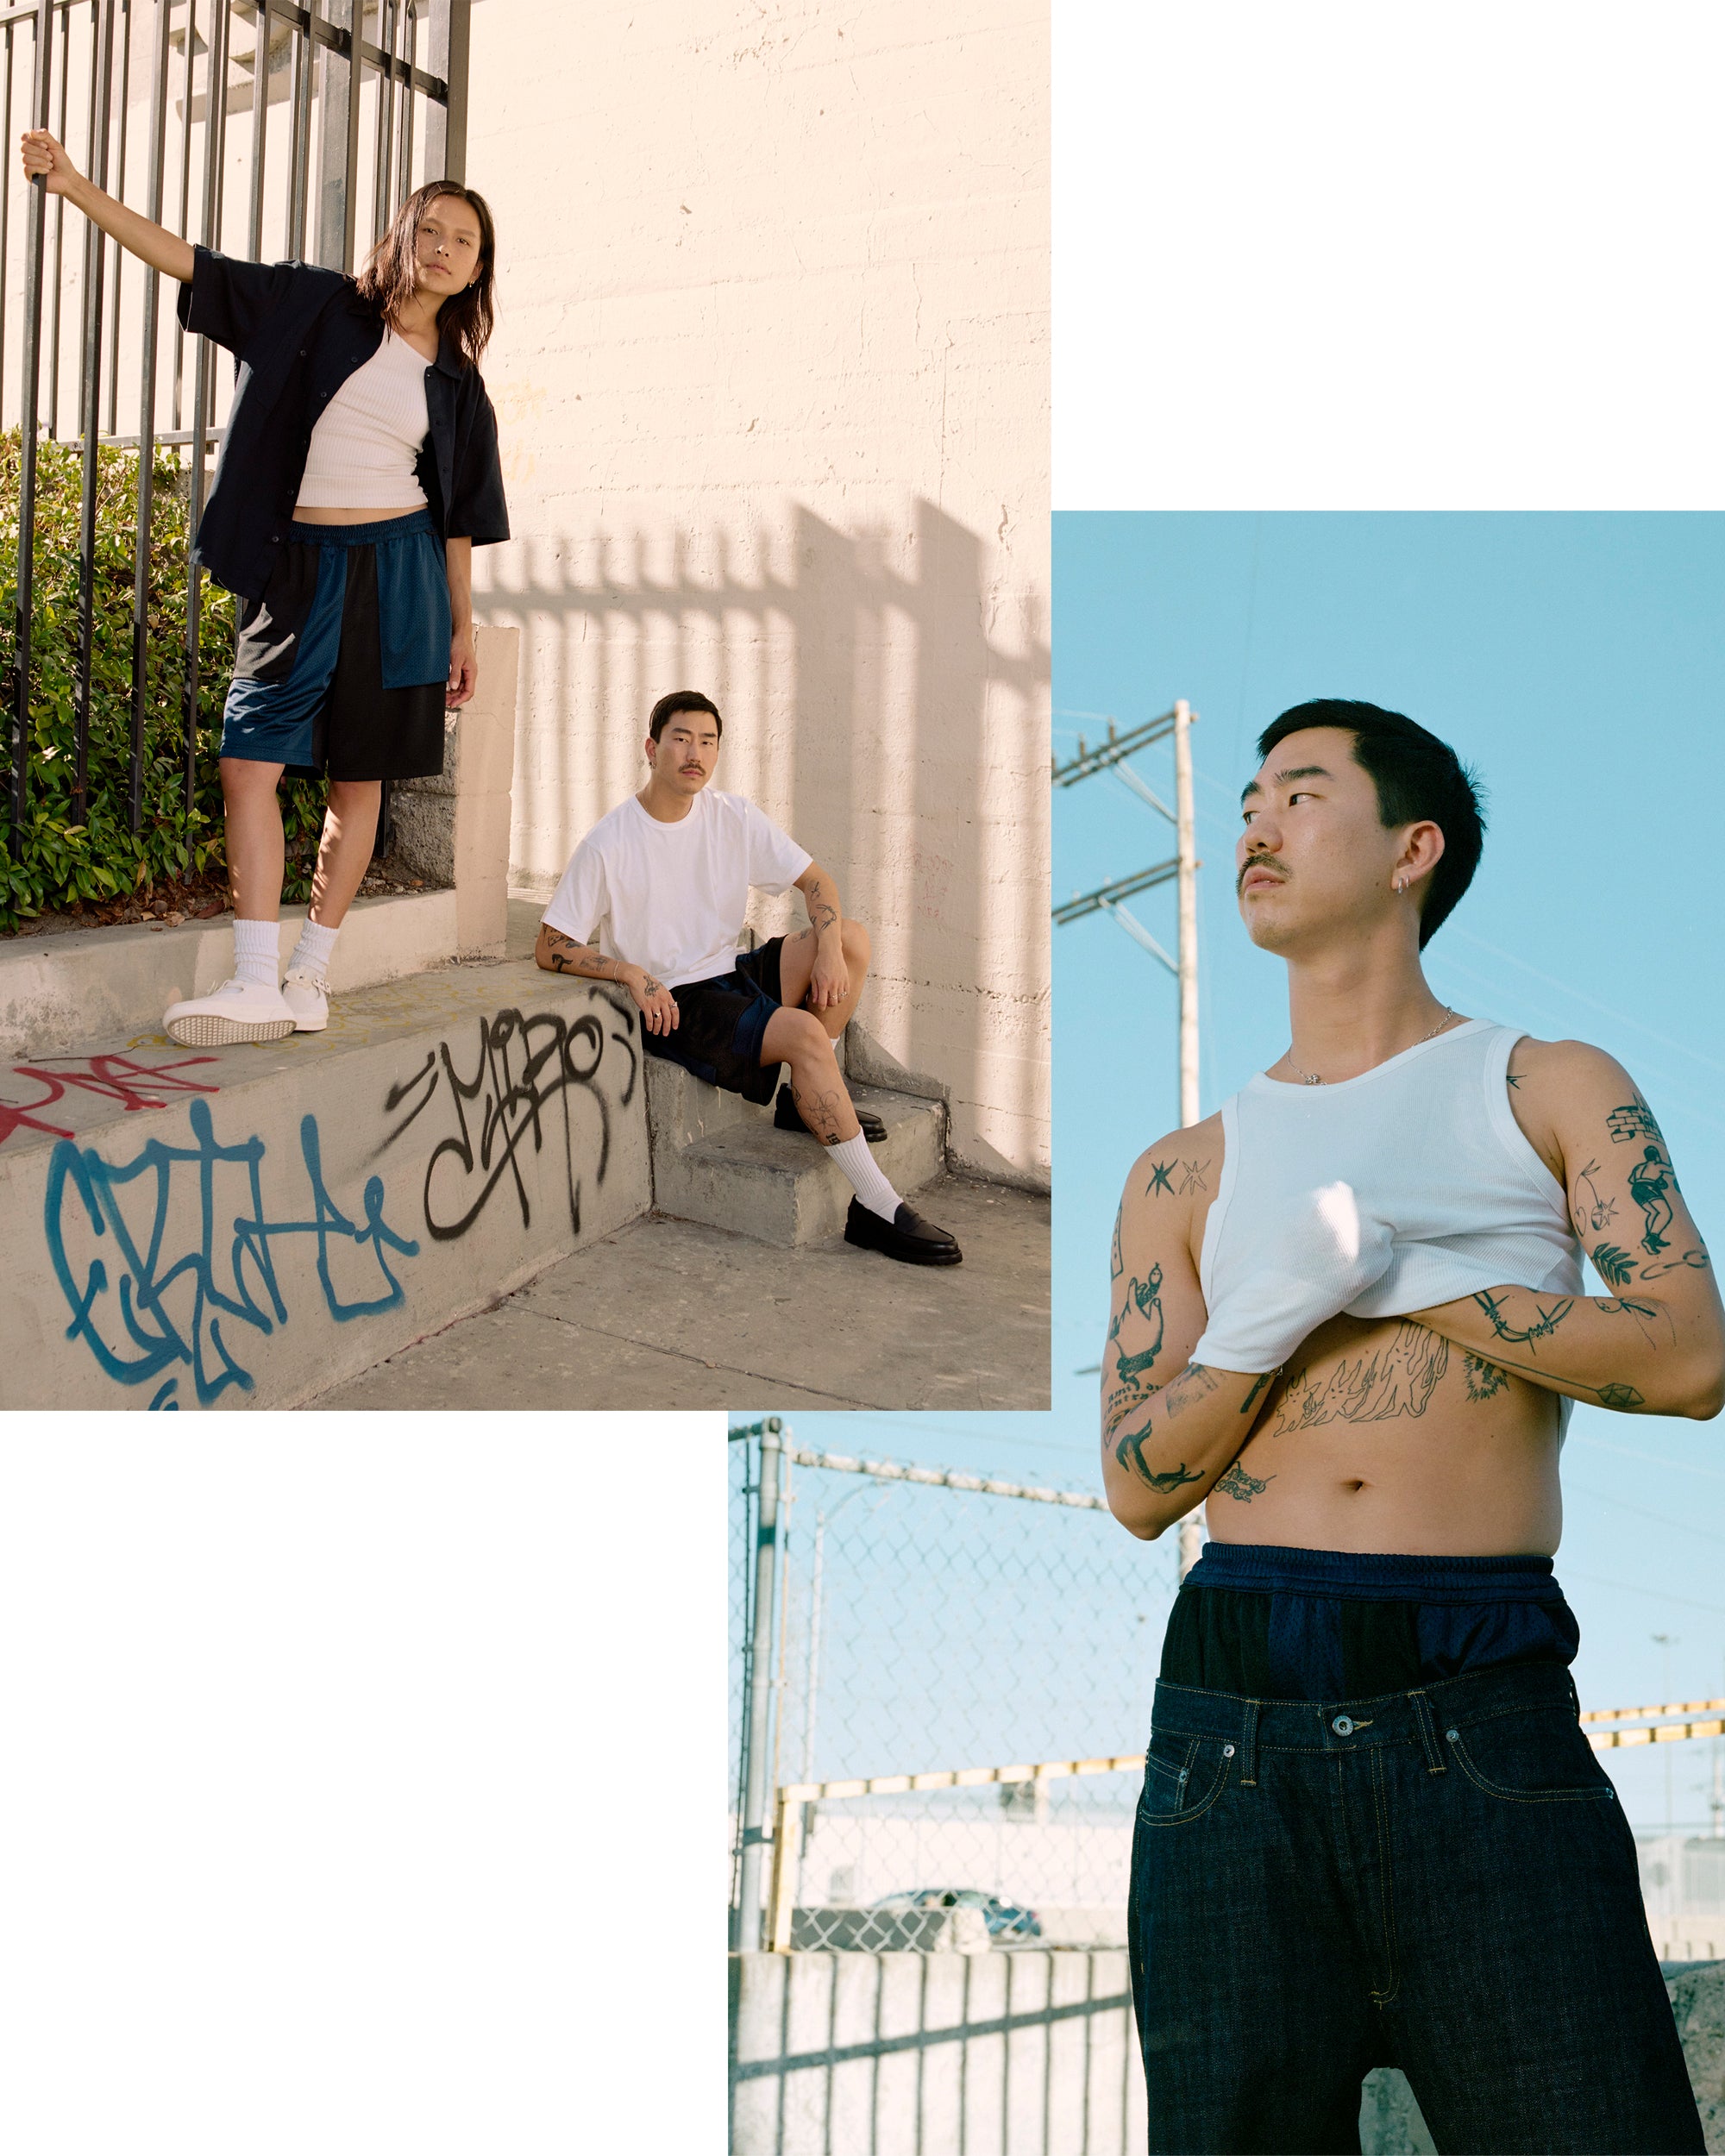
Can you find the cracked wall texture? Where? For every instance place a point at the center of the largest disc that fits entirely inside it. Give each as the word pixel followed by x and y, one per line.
pixel 772 375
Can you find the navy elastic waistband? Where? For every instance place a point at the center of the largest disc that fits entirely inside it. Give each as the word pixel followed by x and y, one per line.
pixel 362 535
pixel 1258 1568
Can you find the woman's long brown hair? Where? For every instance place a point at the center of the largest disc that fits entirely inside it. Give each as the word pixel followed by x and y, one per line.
pixel 390 273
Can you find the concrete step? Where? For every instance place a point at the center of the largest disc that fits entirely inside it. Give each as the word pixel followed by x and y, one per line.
pixel 719 1159
pixel 245 1225
pixel 61 988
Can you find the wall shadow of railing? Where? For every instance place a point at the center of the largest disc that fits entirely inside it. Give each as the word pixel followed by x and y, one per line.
pixel 885 691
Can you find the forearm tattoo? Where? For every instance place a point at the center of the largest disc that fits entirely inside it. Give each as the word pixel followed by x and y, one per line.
pixel 821 898
pixel 1194 1381
pixel 564 955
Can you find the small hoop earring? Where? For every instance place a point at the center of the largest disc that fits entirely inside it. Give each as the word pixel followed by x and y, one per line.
pixel 1401 884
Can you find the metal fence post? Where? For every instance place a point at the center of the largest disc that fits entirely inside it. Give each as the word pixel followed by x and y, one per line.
pixel 35 233
pixel 760 1691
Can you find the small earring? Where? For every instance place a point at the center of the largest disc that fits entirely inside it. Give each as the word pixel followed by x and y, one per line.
pixel 1401 884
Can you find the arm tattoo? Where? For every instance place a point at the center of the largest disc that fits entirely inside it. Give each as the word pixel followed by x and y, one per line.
pixel 565 955
pixel 1598 1212
pixel 1541 1329
pixel 1615 1267
pixel 1635 1121
pixel 1143 1303
pixel 1160 1170
pixel 1696 1261
pixel 1193 1382
pixel 822 901
pixel 1238 1483
pixel 1130 1455
pixel 1251 1398
pixel 1115 1266
pixel 1650 1179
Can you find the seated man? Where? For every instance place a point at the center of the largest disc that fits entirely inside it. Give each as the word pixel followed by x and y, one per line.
pixel 654 897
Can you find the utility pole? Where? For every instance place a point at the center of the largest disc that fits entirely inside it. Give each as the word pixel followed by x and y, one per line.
pixel 759 1708
pixel 1111 755
pixel 1665 1641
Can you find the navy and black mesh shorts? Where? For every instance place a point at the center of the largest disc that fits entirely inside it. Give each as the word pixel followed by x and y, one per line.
pixel 720 1023
pixel 343 663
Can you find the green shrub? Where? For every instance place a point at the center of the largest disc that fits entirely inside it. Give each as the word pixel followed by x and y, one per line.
pixel 63 858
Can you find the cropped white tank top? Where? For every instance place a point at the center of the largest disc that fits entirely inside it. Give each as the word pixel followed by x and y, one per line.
pixel 365 442
pixel 1429 1143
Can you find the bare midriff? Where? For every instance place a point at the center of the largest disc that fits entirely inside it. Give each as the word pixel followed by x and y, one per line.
pixel 304 516
pixel 1379 1435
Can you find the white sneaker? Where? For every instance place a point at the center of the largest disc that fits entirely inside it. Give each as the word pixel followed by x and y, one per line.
pixel 239 1010
pixel 307 997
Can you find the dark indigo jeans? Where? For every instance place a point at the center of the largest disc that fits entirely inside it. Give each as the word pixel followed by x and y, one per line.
pixel 1439 1879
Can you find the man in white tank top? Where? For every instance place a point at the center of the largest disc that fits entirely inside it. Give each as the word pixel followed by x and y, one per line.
pixel 1347 1312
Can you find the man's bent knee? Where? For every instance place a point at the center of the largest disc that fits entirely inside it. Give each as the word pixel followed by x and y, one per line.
pixel 853 939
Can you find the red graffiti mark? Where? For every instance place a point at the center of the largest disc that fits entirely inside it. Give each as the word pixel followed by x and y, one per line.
pixel 118 1078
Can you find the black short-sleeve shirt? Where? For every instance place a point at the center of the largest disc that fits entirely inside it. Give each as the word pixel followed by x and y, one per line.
pixel 297 333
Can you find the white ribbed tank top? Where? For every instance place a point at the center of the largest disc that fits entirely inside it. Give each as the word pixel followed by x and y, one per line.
pixel 364 445
pixel 1427 1142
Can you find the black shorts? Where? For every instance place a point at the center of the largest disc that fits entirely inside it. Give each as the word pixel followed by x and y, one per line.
pixel 720 1022
pixel 343 663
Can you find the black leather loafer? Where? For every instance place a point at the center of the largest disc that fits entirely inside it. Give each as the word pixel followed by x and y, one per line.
pixel 785 1117
pixel 906 1236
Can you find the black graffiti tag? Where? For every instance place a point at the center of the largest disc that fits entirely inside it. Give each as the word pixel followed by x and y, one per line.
pixel 516 1094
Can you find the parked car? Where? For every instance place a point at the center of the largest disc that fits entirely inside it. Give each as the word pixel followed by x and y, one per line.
pixel 1004 1921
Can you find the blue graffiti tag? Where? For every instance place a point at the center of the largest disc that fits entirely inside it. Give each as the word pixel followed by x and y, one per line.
pixel 155 1340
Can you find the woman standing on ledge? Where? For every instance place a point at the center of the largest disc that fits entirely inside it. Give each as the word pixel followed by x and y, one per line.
pixel 358 469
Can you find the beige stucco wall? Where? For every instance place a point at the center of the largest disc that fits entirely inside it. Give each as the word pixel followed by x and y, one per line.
pixel 772 371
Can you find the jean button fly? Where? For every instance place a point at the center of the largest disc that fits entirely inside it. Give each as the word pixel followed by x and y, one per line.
pixel 1342 1726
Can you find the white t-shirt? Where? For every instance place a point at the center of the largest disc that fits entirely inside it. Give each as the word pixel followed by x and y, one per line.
pixel 672 897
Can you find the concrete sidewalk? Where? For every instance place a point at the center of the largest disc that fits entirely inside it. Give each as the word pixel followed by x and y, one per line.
pixel 671 1314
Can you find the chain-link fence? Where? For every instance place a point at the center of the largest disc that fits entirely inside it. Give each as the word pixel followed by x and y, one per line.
pixel 926 1623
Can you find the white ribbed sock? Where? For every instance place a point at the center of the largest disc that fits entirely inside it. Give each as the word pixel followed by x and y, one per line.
pixel 311 953
pixel 871 1186
pixel 255 947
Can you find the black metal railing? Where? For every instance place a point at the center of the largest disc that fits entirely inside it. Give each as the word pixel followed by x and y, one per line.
pixel 299 81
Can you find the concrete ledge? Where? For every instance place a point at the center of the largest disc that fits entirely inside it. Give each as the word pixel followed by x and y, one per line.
pixel 718 1159
pixel 59 991
pixel 245 1226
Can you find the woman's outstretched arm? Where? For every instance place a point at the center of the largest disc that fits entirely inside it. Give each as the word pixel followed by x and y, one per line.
pixel 151 243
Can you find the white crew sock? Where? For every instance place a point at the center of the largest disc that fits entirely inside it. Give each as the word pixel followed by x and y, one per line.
pixel 871 1186
pixel 256 946
pixel 311 953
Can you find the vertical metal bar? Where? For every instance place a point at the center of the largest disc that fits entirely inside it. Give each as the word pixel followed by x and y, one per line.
pixel 338 119
pixel 59 232
pixel 119 253
pixel 182 227
pixel 381 141
pixel 5 204
pixel 350 161
pixel 760 1692
pixel 1187 947
pixel 35 234
pixel 215 105
pixel 779 1897
pixel 100 94
pixel 260 70
pixel 455 74
pixel 1191 1531
pixel 304 60
pixel 403 185
pixel 147 424
pixel 446 124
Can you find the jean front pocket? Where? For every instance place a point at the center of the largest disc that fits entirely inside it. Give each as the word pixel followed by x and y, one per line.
pixel 1536 1755
pixel 1182 1777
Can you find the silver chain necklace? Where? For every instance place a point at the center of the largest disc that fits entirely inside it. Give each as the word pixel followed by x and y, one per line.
pixel 1310 1078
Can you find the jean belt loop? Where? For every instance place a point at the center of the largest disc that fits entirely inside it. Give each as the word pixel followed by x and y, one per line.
pixel 1435 1761
pixel 1248 1747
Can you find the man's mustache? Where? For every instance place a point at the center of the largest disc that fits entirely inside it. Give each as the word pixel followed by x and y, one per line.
pixel 1259 861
